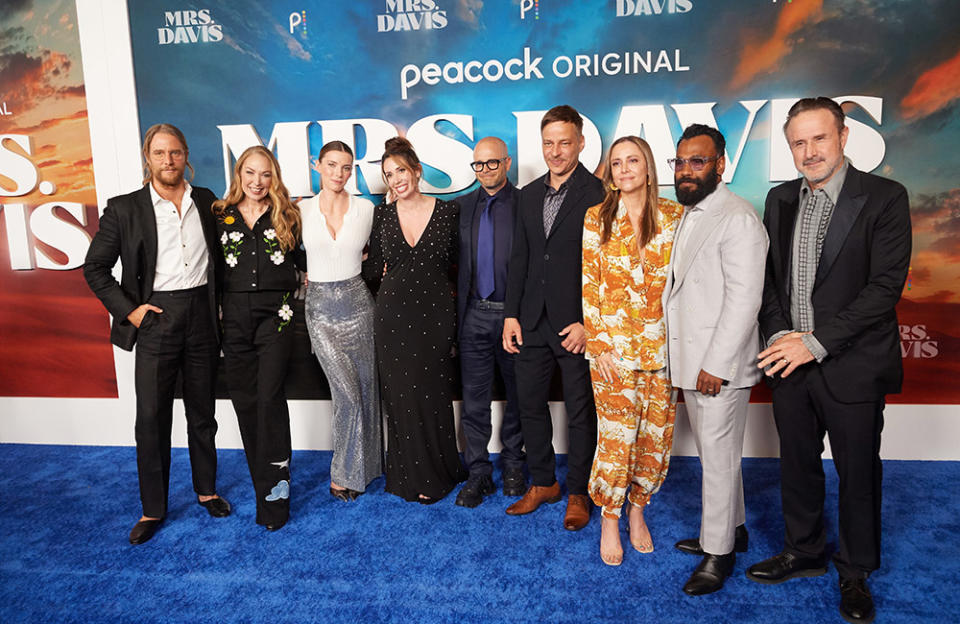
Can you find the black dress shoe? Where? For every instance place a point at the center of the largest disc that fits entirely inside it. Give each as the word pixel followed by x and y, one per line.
pixel 514 482
pixel 427 500
pixel 856 603
pixel 144 530
pixel 710 574
pixel 216 507
pixel 275 526
pixel 692 546
pixel 476 487
pixel 785 566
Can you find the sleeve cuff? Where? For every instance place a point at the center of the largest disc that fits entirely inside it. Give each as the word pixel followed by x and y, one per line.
pixel 777 336
pixel 814 347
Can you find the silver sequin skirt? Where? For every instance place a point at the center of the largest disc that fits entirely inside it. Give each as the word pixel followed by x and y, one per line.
pixel 340 322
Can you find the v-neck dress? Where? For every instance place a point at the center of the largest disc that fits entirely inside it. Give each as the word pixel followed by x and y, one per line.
pixel 414 326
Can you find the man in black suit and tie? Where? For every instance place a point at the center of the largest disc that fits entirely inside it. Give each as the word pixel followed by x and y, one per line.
pixel 486 236
pixel 165 238
pixel 838 260
pixel 544 317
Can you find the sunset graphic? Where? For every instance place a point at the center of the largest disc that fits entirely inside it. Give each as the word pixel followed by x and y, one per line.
pixel 55 334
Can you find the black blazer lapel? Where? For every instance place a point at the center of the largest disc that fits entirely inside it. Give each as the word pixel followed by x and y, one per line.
pixel 845 213
pixel 467 214
pixel 148 229
pixel 206 221
pixel 534 204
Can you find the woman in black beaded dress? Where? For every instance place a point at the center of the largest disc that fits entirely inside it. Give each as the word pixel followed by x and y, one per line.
pixel 411 268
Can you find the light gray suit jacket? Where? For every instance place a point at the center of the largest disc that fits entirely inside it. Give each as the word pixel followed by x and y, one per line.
pixel 714 292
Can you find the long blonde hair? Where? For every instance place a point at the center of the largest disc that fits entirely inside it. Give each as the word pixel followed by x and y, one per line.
pixel 608 209
pixel 284 215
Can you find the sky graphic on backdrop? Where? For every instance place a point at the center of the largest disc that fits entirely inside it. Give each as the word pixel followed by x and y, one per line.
pixel 52 326
pixel 337 65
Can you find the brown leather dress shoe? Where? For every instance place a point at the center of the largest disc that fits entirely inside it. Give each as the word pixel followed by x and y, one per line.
pixel 578 512
pixel 535 496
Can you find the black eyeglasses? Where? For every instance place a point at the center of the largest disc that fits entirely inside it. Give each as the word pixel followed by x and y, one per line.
pixel 493 164
pixel 697 163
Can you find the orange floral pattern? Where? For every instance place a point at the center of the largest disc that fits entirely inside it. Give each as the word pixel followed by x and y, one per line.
pixel 622 309
pixel 634 437
pixel 623 314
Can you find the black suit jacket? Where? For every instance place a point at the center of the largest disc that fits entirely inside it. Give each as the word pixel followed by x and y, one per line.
pixel 502 248
pixel 128 232
pixel 860 276
pixel 545 270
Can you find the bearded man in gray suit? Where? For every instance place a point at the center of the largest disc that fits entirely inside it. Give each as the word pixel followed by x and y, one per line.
pixel 712 297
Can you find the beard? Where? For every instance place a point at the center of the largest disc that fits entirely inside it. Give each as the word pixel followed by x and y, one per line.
pixel 701 189
pixel 169 177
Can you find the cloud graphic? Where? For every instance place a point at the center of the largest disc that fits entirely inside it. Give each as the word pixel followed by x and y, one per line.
pixel 934 89
pixel 762 56
pixel 8 8
pixel 936 246
pixel 293 46
pixel 28 79
pixel 469 11
pixel 280 490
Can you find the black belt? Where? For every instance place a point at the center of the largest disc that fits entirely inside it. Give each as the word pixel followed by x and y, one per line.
pixel 485 304
pixel 186 292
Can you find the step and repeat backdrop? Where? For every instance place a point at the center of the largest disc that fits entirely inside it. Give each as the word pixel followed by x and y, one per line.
pixel 444 73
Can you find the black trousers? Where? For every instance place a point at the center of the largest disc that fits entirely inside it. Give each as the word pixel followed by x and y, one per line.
pixel 180 340
pixel 539 356
pixel 804 409
pixel 481 346
pixel 257 343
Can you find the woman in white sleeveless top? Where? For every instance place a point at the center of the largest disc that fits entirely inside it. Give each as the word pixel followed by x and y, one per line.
pixel 339 311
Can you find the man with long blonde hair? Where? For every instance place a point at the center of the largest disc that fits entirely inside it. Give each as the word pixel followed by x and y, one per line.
pixel 164 237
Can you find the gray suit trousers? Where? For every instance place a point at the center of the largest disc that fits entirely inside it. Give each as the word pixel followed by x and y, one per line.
pixel 718 424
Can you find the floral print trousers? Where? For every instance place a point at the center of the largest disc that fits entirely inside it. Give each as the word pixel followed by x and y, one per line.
pixel 634 436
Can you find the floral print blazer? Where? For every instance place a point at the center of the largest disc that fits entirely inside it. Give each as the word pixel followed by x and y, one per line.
pixel 622 295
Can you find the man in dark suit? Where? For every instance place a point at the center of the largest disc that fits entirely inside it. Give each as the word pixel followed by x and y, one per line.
pixel 165 238
pixel 838 259
pixel 544 317
pixel 486 237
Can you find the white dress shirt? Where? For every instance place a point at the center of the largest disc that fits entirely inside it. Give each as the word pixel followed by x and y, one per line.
pixel 181 246
pixel 335 259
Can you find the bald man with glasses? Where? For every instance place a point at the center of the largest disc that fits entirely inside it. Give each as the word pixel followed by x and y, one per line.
pixel 486 238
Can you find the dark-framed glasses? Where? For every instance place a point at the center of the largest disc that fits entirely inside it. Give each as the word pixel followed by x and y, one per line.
pixel 493 164
pixel 697 163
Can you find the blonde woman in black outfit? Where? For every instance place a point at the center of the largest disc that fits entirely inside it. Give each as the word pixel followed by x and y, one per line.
pixel 259 231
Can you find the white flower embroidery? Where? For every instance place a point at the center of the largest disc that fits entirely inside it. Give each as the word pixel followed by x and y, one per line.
pixel 277 257
pixel 235 236
pixel 270 233
pixel 285 312
pixel 224 239
pixel 231 260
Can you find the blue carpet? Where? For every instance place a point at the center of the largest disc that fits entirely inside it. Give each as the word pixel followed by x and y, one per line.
pixel 65 513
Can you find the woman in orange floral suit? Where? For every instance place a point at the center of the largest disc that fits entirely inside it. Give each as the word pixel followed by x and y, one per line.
pixel 627 241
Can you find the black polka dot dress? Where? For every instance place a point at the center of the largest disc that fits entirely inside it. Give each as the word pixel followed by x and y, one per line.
pixel 414 327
